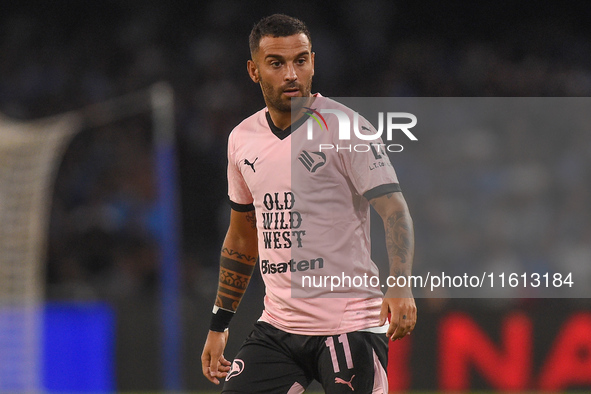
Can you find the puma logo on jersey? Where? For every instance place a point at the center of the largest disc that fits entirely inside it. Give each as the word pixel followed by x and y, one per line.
pixel 248 163
pixel 341 381
pixel 236 369
pixel 312 163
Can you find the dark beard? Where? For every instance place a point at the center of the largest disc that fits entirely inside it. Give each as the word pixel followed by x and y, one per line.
pixel 273 98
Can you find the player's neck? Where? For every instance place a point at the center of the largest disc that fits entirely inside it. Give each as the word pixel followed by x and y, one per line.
pixel 280 119
pixel 283 119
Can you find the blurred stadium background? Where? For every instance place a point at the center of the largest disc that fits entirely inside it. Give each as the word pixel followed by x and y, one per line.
pixel 107 308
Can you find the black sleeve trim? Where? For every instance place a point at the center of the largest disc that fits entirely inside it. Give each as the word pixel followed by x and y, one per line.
pixel 382 190
pixel 240 207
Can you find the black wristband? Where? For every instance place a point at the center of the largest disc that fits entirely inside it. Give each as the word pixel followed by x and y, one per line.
pixel 220 320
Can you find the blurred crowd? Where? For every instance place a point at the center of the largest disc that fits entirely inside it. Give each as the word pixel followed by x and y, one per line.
pixel 516 199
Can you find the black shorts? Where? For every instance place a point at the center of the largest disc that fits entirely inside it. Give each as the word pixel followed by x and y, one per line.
pixel 272 361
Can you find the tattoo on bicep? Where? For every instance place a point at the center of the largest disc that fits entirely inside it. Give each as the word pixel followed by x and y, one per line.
pixel 252 219
pixel 374 202
pixel 399 240
pixel 233 281
pixel 239 256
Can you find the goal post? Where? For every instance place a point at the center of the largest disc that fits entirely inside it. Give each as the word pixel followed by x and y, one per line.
pixel 30 155
pixel 162 101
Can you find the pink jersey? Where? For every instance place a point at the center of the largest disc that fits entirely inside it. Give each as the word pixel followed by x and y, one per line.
pixel 312 214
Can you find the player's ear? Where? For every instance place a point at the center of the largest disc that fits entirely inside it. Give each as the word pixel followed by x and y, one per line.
pixel 253 71
pixel 313 57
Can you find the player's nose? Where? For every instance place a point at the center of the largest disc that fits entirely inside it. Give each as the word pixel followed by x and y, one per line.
pixel 290 73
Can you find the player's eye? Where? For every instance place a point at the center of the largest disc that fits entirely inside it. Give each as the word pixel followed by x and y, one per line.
pixel 275 64
pixel 301 61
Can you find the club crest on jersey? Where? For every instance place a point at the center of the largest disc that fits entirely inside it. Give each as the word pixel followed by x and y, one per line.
pixel 312 161
pixel 236 369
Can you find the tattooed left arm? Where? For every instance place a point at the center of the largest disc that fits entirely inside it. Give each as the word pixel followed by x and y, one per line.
pixel 399 231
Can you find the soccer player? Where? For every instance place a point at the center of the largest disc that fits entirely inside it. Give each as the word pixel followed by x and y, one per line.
pixel 301 211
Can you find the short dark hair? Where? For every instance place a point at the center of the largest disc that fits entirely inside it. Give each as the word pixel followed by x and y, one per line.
pixel 276 25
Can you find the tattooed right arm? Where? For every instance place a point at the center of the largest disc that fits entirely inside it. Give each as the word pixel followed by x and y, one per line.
pixel 237 261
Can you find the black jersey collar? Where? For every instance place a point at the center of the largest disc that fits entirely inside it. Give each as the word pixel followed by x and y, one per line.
pixel 280 133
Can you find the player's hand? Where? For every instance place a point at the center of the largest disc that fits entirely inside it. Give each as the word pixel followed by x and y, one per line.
pixel 403 313
pixel 213 363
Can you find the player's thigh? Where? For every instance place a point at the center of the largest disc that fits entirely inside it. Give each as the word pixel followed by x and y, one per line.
pixel 354 362
pixel 263 366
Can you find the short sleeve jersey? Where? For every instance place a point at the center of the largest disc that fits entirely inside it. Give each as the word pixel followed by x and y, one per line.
pixel 311 191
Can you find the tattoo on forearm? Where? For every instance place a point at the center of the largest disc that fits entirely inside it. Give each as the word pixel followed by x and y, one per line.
pixel 251 217
pixel 233 281
pixel 399 236
pixel 238 255
pixel 397 272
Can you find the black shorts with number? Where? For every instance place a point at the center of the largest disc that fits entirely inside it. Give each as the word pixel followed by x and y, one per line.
pixel 272 361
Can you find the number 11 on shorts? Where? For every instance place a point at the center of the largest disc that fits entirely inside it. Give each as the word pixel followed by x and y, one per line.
pixel 333 353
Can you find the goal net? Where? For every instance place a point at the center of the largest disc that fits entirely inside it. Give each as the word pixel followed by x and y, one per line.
pixel 29 155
